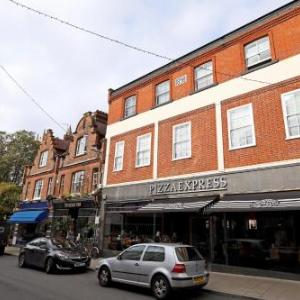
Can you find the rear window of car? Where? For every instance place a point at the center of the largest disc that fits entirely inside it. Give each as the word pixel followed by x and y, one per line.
pixel 154 253
pixel 187 254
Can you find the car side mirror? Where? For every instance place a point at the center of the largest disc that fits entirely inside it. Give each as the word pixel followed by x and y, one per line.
pixel 119 257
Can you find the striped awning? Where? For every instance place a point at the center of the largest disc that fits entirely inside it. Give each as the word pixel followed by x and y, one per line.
pixel 280 201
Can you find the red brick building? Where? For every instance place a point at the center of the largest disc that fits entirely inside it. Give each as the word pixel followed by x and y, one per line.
pixel 66 176
pixel 213 139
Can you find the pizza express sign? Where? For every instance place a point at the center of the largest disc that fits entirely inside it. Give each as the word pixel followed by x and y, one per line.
pixel 190 185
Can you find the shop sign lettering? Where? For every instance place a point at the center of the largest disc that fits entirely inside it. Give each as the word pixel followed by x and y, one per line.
pixel 71 205
pixel 185 186
pixel 264 203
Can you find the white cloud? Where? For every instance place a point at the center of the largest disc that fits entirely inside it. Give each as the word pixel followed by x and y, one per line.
pixel 69 71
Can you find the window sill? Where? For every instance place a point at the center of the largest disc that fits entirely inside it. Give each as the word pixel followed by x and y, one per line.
pixel 288 138
pixel 242 147
pixel 162 104
pixel 125 118
pixel 181 158
pixel 79 155
pixel 204 88
pixel 142 166
pixel 259 66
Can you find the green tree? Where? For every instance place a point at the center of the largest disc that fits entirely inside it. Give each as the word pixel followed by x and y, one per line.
pixel 16 151
pixel 9 197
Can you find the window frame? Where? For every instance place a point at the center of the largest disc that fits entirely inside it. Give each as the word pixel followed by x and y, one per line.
pixel 95 178
pixel 43 161
pixel 35 188
pixel 61 184
pixel 137 148
pixel 285 116
pixel 154 246
pixel 115 156
pixel 157 96
pixel 196 79
pixel 261 62
pixel 49 187
pixel 130 249
pixel 81 181
pixel 135 103
pixel 189 123
pixel 229 127
pixel 77 153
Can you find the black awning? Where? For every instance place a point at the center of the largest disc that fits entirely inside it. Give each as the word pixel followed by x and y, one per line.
pixel 274 201
pixel 166 205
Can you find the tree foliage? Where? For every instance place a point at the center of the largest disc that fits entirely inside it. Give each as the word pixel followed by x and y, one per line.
pixel 16 151
pixel 9 197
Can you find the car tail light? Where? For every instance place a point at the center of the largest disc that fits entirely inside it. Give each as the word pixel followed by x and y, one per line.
pixel 179 268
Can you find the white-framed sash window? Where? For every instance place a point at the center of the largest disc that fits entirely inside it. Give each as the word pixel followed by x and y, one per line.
pixel 204 76
pixel 119 155
pixel 77 182
pixel 143 150
pixel 162 92
pixel 81 145
pixel 38 189
pixel 43 159
pixel 130 107
pixel 291 113
pixel 181 141
pixel 257 51
pixel 241 127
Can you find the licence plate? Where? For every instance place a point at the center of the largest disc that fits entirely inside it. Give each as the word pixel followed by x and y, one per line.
pixel 199 279
pixel 79 264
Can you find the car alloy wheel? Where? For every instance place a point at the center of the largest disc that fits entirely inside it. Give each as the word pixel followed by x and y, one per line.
pixel 104 276
pixel 49 266
pixel 160 287
pixel 22 260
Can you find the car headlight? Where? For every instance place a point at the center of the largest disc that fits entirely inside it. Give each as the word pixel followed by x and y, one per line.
pixel 62 256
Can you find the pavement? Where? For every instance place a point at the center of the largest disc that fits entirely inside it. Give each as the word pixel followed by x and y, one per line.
pixel 238 285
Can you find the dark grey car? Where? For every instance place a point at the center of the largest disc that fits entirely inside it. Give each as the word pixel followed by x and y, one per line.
pixel 161 267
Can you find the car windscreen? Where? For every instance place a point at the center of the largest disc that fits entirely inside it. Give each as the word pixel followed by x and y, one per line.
pixel 185 254
pixel 63 244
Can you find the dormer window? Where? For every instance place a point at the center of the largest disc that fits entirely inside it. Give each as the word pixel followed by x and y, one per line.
pixel 43 159
pixel 162 93
pixel 257 52
pixel 81 146
pixel 130 107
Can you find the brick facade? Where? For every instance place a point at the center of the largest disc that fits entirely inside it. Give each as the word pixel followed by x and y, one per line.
pixel 207 109
pixel 63 161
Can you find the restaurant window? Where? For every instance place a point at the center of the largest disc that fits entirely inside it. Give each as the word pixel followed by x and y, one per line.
pixel 204 76
pixel 119 154
pixel 38 189
pixel 143 150
pixel 241 127
pixel 162 93
pixel 257 52
pixel 49 189
pixel 291 111
pixel 43 159
pixel 95 179
pixel 62 184
pixel 130 107
pixel 81 145
pixel 77 182
pixel 182 141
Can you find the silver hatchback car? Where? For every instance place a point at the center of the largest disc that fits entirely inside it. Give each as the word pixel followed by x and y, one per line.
pixel 161 267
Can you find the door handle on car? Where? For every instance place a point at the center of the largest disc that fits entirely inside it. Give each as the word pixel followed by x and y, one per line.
pixel 136 264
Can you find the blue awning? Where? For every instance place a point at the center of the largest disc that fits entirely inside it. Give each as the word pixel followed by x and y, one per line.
pixel 28 216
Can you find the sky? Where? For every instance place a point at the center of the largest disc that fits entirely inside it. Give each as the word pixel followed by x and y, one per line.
pixel 69 72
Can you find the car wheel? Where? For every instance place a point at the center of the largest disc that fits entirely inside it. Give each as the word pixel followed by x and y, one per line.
pixel 160 287
pixel 21 261
pixel 2 251
pixel 49 267
pixel 104 277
